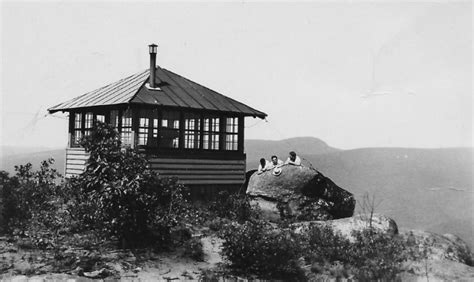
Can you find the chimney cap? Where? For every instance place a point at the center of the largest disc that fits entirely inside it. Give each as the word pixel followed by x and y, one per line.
pixel 152 48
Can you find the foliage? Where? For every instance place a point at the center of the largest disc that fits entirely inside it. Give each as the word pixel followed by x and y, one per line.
pixel 31 197
pixel 370 256
pixel 193 249
pixel 257 248
pixel 327 246
pixel 376 255
pixel 118 195
pixel 234 207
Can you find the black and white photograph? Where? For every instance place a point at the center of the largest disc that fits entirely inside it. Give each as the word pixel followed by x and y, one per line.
pixel 236 140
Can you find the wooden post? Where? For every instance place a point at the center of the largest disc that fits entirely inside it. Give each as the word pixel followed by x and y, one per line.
pixel 222 127
pixel 201 132
pixel 181 131
pixel 241 130
pixel 71 130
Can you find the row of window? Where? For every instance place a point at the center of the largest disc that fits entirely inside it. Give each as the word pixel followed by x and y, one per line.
pixel 164 131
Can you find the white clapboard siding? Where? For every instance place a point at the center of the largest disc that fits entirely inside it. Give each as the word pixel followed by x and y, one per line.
pixel 75 161
pixel 201 172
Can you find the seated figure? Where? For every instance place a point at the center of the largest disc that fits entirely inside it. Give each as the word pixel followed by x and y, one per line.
pixel 293 159
pixel 263 166
pixel 276 162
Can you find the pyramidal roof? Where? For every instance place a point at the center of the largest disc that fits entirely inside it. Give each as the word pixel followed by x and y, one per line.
pixel 175 91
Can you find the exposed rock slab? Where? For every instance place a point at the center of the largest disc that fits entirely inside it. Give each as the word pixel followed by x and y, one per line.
pixel 345 226
pixel 440 247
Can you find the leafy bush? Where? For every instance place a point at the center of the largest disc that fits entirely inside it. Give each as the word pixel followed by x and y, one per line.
pixel 376 256
pixel 234 207
pixel 327 246
pixel 371 256
pixel 257 248
pixel 31 197
pixel 193 249
pixel 118 195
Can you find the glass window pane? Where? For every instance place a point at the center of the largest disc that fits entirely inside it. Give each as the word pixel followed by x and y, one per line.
pixel 169 132
pixel 77 120
pixel 88 120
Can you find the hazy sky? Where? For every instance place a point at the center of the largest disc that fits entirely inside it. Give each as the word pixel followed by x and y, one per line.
pixel 355 74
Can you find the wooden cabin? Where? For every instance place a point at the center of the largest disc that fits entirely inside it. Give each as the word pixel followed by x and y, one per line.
pixel 185 129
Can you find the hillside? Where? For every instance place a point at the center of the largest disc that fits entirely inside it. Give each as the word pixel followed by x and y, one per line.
pixel 429 189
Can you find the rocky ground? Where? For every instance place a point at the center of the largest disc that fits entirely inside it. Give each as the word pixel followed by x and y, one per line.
pixel 20 264
pixel 298 192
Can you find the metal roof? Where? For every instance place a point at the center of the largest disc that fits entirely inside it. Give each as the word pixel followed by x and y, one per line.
pixel 175 91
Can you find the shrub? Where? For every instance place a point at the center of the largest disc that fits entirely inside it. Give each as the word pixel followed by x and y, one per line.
pixel 31 197
pixel 376 256
pixel 118 195
pixel 234 207
pixel 257 248
pixel 327 246
pixel 193 249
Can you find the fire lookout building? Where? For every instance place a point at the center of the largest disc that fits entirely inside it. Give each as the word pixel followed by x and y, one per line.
pixel 185 129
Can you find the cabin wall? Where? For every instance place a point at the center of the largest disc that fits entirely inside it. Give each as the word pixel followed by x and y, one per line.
pixel 191 170
pixel 201 172
pixel 75 161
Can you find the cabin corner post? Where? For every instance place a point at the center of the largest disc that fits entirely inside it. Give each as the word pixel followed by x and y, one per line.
pixel 70 130
pixel 240 138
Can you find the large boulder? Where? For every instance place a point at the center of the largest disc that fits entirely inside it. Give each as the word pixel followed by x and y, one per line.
pixel 299 192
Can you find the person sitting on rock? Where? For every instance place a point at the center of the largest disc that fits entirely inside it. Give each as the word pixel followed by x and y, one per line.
pixel 276 162
pixel 293 159
pixel 263 166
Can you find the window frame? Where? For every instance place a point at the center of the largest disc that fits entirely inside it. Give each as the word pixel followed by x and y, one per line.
pixel 231 131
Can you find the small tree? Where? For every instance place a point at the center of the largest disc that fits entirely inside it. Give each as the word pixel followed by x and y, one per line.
pixel 368 206
pixel 118 194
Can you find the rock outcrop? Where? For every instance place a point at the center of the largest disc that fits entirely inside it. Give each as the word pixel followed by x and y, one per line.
pixel 299 192
pixel 440 247
pixel 345 226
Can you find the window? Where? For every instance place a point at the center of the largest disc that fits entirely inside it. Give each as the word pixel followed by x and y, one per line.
pixel 100 118
pixel 231 134
pixel 88 122
pixel 143 131
pixel 126 134
pixel 211 134
pixel 77 130
pixel 192 128
pixel 169 137
pixel 148 128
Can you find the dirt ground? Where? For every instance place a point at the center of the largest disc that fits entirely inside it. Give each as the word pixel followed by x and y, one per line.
pixel 19 264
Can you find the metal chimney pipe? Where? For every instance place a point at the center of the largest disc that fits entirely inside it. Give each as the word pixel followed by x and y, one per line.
pixel 152 48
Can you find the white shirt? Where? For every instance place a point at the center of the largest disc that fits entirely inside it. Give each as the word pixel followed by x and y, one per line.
pixel 267 166
pixel 296 162
pixel 279 163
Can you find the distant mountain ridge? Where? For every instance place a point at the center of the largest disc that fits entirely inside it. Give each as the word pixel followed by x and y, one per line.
pixel 301 145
